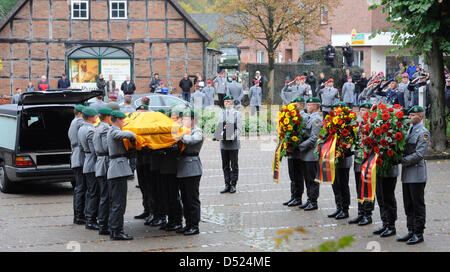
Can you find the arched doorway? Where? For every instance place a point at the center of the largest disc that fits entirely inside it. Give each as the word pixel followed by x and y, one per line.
pixel 85 64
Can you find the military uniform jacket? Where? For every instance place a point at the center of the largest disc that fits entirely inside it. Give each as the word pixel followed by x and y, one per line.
pixel 189 163
pixel 77 157
pixel 348 91
pixel 407 95
pixel 414 168
pixel 198 99
pixel 305 90
pixel 221 84
pixel 209 95
pixel 97 105
pixel 232 117
pixel 127 109
pixel 235 89
pixel 101 149
pixel 86 140
pixel 287 95
pixel 296 152
pixel 310 136
pixel 118 166
pixel 328 96
pixel 255 95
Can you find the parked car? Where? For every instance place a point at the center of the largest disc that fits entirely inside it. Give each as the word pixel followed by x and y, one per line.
pixel 159 101
pixel 34 146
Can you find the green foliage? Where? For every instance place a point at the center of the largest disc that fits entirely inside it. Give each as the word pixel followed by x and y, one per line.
pixel 200 6
pixel 416 24
pixel 6 6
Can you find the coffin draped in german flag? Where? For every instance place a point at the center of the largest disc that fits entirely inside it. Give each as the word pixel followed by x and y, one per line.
pixel 153 130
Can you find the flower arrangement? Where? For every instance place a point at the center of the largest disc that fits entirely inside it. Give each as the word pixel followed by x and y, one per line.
pixel 290 127
pixel 384 131
pixel 342 123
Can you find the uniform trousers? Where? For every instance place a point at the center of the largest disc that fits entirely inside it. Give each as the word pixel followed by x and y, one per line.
pixel 365 208
pixel 79 193
pixel 103 207
pixel 385 188
pixel 230 166
pixel 172 198
pixel 309 169
pixel 142 175
pixel 341 190
pixel 297 180
pixel 414 203
pixel 190 195
pixel 92 197
pixel 157 190
pixel 221 97
pixel 118 188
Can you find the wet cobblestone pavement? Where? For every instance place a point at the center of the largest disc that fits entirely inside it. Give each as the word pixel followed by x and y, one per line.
pixel 40 218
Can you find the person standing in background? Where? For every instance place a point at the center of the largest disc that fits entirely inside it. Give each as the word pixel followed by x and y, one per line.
pixel 43 84
pixel 221 85
pixel 312 82
pixel 155 83
pixel 186 85
pixel 128 86
pixel 63 82
pixel 101 83
pixel 348 92
pixel 110 86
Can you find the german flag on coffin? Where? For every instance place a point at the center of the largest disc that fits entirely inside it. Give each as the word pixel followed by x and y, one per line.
pixel 153 130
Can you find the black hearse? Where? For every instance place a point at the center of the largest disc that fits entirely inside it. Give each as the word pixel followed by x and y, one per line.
pixel 34 146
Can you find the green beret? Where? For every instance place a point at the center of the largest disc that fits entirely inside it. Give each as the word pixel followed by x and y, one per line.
pixel 366 105
pixel 118 114
pixel 228 97
pixel 178 112
pixel 163 111
pixel 105 111
pixel 340 103
pixel 190 113
pixel 416 109
pixel 299 99
pixel 87 104
pixel 313 100
pixel 79 107
pixel 142 107
pixel 89 111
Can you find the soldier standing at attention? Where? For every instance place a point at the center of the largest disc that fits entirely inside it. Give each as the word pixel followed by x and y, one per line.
pixel 329 95
pixel 307 147
pixel 76 163
pixel 365 209
pixel 228 129
pixel 286 93
pixel 414 177
pixel 189 173
pixel 209 92
pixel 101 168
pixel 198 98
pixel 221 85
pixel 235 89
pixel 156 190
pixel 340 185
pixel 118 172
pixel 86 140
pixel 295 166
pixel 255 96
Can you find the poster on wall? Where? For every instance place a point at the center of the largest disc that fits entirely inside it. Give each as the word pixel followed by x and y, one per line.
pixel 118 68
pixel 83 73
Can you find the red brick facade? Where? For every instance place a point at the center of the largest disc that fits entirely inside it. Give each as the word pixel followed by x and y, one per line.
pixel 37 36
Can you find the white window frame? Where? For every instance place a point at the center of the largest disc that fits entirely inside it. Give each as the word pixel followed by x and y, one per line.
pixel 111 10
pixel 323 11
pixel 79 2
pixel 260 56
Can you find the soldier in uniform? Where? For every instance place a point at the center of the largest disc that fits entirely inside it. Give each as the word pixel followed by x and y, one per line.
pixel 255 96
pixel 127 108
pixel 189 173
pixel 235 89
pixel 156 190
pixel 329 95
pixel 307 147
pixel 118 172
pixel 198 98
pixel 86 141
pixel 295 165
pixel 221 85
pixel 76 163
pixel 340 186
pixel 229 143
pixel 101 168
pixel 98 103
pixel 287 95
pixel 365 209
pixel 414 177
pixel 304 89
pixel 209 92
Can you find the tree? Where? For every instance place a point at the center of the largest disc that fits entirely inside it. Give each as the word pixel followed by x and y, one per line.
pixel 271 22
pixel 422 28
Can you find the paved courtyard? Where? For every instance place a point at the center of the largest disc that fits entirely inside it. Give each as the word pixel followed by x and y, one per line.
pixel 40 218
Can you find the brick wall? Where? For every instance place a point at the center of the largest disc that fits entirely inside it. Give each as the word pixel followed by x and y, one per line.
pixel 37 40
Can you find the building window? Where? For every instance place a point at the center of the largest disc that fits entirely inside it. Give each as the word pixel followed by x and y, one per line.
pixel 324 15
pixel 80 10
pixel 118 9
pixel 279 58
pixel 260 57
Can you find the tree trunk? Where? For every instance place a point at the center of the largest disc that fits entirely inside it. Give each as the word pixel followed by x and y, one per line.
pixel 271 82
pixel 438 125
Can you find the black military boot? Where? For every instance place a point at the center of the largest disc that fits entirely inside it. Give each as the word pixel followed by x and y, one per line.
pixel 356 219
pixel 103 229
pixel 79 220
pixel 232 189
pixel 92 225
pixel 192 230
pixel 149 219
pixel 311 206
pixel 164 225
pixel 287 202
pixel 120 235
pixel 406 237
pixel 390 230
pixel 342 215
pixel 295 202
pixel 415 239
pixel 173 226
pixel 333 215
pixel 366 220
pixel 226 189
pixel 304 205
pixel 182 229
pixel 142 215
pixel 158 222
pixel 380 230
